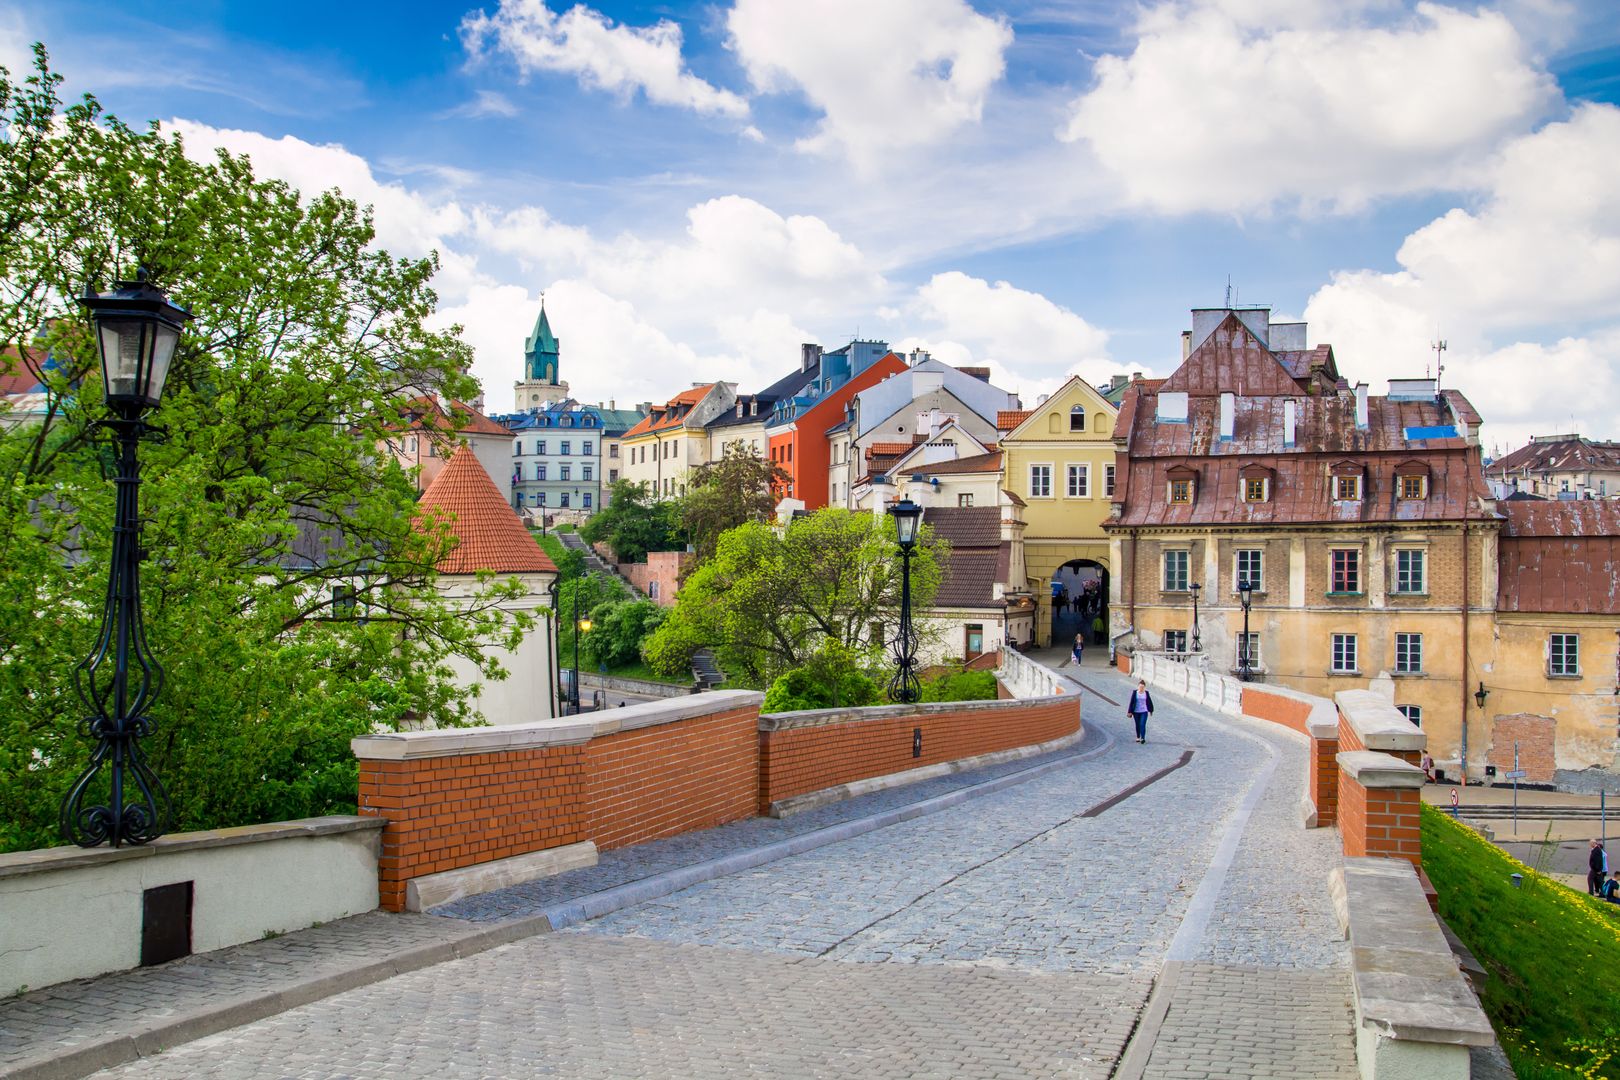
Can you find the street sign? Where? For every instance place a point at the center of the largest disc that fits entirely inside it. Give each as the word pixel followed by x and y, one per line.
pixel 1516 774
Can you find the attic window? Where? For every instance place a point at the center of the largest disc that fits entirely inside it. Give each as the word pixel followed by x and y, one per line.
pixel 1181 491
pixel 1347 489
pixel 1181 484
pixel 1077 418
pixel 1414 488
pixel 1254 489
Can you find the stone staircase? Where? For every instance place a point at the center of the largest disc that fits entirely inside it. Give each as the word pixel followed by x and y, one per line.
pixel 594 563
pixel 705 671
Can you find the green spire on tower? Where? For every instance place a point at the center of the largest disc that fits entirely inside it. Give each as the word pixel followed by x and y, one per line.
pixel 540 351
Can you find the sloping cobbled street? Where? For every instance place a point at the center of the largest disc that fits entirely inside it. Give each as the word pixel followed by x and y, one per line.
pixel 1012 935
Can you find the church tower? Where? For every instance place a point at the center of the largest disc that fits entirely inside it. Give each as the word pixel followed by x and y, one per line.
pixel 539 386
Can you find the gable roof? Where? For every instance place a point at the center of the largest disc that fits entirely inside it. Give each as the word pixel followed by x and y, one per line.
pixel 488 534
pixel 1233 358
pixel 423 413
pixel 1094 399
pixel 974 533
pixel 1573 454
pixel 672 413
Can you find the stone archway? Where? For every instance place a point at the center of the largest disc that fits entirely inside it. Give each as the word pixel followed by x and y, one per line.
pixel 1079 596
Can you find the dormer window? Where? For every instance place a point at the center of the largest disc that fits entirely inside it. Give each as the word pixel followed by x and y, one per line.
pixel 1181 484
pixel 1255 481
pixel 1346 482
pixel 1254 490
pixel 1412 481
pixel 1077 418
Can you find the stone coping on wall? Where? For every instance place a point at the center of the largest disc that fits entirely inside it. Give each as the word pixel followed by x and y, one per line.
pixel 822 717
pixel 45 860
pixel 1408 986
pixel 1323 721
pixel 559 731
pixel 1377 723
pixel 1372 769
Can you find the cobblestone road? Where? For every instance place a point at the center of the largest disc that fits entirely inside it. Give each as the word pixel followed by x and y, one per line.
pixel 1016 935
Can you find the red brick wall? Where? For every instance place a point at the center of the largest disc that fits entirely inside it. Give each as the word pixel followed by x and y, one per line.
pixel 448 812
pixel 795 761
pixel 1349 740
pixel 658 781
pixel 1324 766
pixel 1535 736
pixel 1289 712
pixel 1380 821
pixel 1122 661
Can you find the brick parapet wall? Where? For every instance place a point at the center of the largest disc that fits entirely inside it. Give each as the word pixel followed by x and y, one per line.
pixel 805 752
pixel 1369 722
pixel 1380 800
pixel 1290 711
pixel 1324 780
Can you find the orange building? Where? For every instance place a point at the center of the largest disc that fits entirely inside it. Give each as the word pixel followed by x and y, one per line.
pixel 798 444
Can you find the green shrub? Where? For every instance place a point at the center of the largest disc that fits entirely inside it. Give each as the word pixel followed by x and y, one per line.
pixel 618 628
pixel 836 676
pixel 961 686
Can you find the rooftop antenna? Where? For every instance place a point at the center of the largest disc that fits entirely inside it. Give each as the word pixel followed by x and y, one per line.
pixel 1439 347
pixel 1228 292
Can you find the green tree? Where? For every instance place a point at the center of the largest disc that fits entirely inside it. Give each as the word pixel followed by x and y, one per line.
pixel 726 493
pixel 266 493
pixel 770 597
pixel 835 676
pixel 617 630
pixel 578 599
pixel 634 523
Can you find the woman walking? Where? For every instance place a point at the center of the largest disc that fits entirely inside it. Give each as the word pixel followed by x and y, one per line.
pixel 1140 708
pixel 1079 648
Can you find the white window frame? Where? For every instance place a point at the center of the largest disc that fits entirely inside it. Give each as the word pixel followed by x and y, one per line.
pixel 1408 654
pixel 1564 656
pixel 1254 650
pixel 1180 638
pixel 1345 655
pixel 1185 558
pixel 1109 480
pixel 1259 575
pixel 1042 469
pixel 1422 557
pixel 1082 473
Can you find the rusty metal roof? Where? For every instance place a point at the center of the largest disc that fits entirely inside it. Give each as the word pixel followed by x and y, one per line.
pixel 1560 557
pixel 1558 455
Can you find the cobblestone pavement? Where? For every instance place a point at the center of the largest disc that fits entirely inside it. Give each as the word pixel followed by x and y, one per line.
pixel 594 1006
pixel 1018 934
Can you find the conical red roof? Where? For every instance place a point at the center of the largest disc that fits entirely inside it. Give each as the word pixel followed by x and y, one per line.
pixel 490 535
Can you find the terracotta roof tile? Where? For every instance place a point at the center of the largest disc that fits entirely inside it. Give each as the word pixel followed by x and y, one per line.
pixel 1007 419
pixel 888 449
pixel 488 534
pixel 978 463
pixel 669 415
pixel 424 412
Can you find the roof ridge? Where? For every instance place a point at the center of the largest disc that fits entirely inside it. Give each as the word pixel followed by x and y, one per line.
pixel 488 534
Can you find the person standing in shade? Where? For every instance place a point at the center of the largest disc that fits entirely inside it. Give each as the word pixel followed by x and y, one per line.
pixel 1140 708
pixel 1099 631
pixel 1596 863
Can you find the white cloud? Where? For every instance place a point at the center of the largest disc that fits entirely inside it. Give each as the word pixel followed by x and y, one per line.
pixel 16 44
pixel 485 103
pixel 886 76
pixel 1525 288
pixel 588 45
pixel 1030 344
pixel 1216 110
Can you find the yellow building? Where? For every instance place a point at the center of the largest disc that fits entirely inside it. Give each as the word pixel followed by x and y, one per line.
pixel 1059 458
pixel 673 439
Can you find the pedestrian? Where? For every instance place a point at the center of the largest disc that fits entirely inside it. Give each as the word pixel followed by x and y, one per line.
pixel 1427 765
pixel 1140 708
pixel 1610 890
pixel 1079 648
pixel 1597 861
pixel 1099 631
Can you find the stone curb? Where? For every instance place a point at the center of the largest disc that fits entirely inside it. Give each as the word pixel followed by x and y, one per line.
pixel 608 901
pixel 72 1063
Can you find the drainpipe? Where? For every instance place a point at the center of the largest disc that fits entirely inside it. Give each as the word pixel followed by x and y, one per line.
pixel 1132 581
pixel 1462 683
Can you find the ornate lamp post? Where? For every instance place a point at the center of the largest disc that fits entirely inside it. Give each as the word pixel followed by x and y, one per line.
pixel 1245 597
pixel 905 687
pixel 1195 589
pixel 556 641
pixel 581 626
pixel 137 330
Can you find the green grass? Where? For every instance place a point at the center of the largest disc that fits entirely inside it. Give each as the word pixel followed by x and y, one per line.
pixel 1553 954
pixel 642 671
pixel 549 544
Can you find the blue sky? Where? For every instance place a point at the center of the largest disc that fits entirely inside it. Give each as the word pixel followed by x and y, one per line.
pixel 1045 187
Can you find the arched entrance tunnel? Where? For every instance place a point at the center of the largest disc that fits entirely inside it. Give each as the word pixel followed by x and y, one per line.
pixel 1079 598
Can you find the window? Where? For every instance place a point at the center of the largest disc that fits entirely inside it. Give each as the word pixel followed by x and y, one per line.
pixel 790 451
pixel 1414 487
pixel 567 421
pixel 1413 713
pixel 1408 654
pixel 1346 571
pixel 410 445
pixel 563 499
pixel 1175 641
pixel 1040 481
pixel 564 471
pixel 539 498
pixel 540 471
pixel 540 446
pixel 566 448
pixel 613 451
pixel 652 589
pixel 585 448
pixel 1248 568
pixel 587 500
pixel 1079 481
pixel 585 472
pixel 1254 490
pixel 1108 481
pixel 1409 571
pixel 965 499
pixel 1253 643
pixel 517 447
pixel 1564 654
pixel 1181 491
pixel 1077 418
pixel 1346 488
pixel 1344 653
pixel 613 474
pixel 343 601
pixel 1175 570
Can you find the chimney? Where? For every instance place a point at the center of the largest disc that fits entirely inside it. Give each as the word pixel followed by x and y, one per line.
pixel 1228 415
pixel 611 405
pixel 1186 344
pixel 809 356
pixel 1290 413
pixel 1361 406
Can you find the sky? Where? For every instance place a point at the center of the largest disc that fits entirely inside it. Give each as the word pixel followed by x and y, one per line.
pixel 1040 186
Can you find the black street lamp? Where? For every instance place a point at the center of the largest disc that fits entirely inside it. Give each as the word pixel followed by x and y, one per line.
pixel 1195 589
pixel 581 626
pixel 556 640
pixel 137 330
pixel 1245 597
pixel 905 687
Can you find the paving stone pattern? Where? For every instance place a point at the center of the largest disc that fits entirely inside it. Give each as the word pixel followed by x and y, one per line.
pixel 593 1006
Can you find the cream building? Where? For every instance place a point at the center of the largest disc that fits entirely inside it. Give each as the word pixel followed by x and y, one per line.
pixel 673 439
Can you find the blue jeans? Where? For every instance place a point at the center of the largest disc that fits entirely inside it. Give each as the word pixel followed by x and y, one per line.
pixel 1141 724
